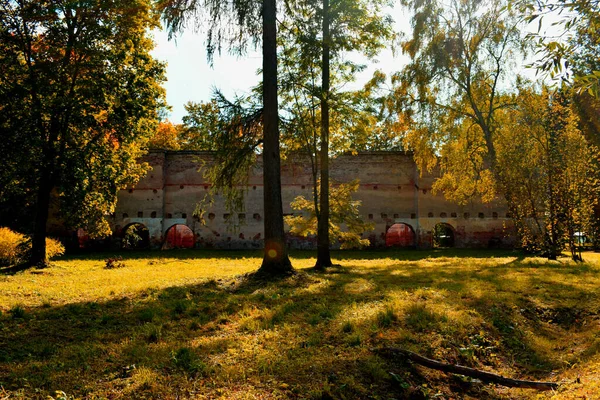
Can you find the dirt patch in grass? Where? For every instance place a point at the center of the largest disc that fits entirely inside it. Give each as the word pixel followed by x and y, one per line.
pixel 196 325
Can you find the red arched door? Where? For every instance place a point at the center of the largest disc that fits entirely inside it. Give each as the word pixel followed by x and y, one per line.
pixel 400 235
pixel 180 237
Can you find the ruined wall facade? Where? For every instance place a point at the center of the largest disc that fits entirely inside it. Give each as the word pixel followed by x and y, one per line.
pixel 392 191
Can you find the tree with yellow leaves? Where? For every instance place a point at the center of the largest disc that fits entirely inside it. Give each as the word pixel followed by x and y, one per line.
pixel 547 172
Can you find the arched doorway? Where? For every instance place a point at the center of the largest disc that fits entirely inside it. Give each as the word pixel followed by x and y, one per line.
pixel 135 237
pixel 400 235
pixel 443 235
pixel 179 237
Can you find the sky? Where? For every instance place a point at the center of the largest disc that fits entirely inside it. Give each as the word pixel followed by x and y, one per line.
pixel 190 78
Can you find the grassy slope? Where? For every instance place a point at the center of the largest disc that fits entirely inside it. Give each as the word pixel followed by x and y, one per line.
pixel 182 325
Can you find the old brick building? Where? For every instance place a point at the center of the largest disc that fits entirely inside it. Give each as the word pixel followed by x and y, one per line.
pixel 394 197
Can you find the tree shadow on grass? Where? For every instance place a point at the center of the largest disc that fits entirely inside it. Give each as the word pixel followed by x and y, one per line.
pixel 394 254
pixel 421 254
pixel 307 335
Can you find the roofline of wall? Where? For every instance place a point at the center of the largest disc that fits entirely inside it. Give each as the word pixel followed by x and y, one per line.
pixel 347 153
pixel 183 152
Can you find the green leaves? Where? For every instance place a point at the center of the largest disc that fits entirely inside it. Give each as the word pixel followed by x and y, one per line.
pixel 234 132
pixel 82 100
pixel 345 227
pixel 570 52
pixel 231 24
pixel 356 27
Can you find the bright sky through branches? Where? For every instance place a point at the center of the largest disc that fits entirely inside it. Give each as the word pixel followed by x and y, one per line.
pixel 190 78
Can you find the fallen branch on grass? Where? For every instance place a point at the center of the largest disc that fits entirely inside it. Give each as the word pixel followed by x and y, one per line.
pixel 466 371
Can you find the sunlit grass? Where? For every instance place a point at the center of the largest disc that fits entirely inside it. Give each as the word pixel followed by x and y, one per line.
pixel 187 325
pixel 85 279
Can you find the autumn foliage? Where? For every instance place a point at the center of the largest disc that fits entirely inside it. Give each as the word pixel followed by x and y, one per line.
pixel 14 247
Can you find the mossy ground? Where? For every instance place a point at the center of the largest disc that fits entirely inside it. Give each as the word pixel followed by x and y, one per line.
pixel 189 324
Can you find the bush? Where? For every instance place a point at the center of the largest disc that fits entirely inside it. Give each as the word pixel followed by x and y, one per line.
pixel 54 248
pixel 14 247
pixel 10 244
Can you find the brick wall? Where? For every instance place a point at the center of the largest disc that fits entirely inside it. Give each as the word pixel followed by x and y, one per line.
pixel 391 190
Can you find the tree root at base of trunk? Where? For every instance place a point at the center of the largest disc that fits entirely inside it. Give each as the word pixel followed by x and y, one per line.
pixel 484 376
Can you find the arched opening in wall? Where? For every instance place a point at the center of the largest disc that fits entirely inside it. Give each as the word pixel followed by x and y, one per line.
pixel 135 237
pixel 443 235
pixel 82 238
pixel 179 236
pixel 400 235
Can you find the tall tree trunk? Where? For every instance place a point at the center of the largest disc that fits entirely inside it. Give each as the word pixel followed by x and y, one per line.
pixel 323 253
pixel 37 257
pixel 276 260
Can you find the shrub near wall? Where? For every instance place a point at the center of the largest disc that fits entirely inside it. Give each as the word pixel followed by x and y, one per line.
pixel 14 247
pixel 9 246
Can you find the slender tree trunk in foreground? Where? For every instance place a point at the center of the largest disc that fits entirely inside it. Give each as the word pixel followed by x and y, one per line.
pixel 37 256
pixel 323 252
pixel 276 260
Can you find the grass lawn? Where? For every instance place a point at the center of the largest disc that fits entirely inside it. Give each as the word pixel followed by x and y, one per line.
pixel 188 324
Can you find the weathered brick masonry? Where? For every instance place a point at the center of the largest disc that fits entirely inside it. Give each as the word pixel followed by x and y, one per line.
pixel 394 197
